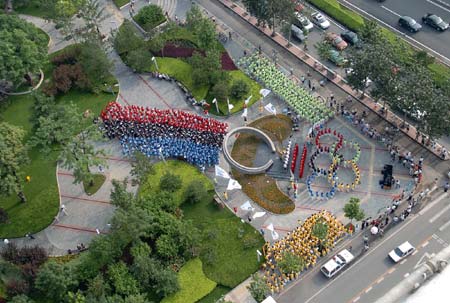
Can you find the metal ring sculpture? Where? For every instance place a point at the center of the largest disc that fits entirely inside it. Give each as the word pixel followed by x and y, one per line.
pixel 237 165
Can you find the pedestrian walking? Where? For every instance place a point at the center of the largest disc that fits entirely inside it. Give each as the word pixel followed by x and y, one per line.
pixel 350 248
pixel 302 78
pixel 63 209
pixel 397 183
pixel 446 187
pixel 235 210
pixel 230 35
pixel 225 195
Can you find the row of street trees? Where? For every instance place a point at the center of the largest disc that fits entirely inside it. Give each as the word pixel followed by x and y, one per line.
pixel 401 79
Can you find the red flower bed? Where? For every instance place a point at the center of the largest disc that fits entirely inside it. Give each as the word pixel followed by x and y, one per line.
pixel 173 51
pixel 227 62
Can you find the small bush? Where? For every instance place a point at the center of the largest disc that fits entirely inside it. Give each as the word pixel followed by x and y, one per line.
pixel 126 39
pixel 220 91
pixel 239 89
pixel 35 255
pixel 66 76
pixel 3 216
pixel 16 287
pixel 150 16
pixel 68 56
pixel 170 182
pixel 136 58
pixel 195 192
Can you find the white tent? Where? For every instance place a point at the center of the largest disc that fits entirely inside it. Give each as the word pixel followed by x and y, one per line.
pixel 269 299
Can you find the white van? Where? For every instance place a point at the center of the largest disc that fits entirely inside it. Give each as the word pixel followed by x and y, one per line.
pixel 335 264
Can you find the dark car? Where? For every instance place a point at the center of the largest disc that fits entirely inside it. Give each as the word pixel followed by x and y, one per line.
pixel 350 37
pixel 435 22
pixel 297 33
pixel 410 24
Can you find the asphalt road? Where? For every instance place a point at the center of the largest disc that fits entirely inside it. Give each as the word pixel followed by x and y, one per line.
pixel 373 274
pixel 388 12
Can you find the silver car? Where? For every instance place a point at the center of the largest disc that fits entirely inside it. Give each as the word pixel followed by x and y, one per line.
pixel 320 20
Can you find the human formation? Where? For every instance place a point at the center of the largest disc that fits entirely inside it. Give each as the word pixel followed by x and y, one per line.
pixel 304 243
pixel 307 106
pixel 164 133
pixel 337 161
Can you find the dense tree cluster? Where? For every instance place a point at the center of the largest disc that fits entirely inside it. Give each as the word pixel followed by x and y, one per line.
pixel 400 79
pixel 23 49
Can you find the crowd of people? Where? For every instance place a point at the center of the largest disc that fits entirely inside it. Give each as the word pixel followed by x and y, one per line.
pixel 304 243
pixel 165 133
pixel 306 105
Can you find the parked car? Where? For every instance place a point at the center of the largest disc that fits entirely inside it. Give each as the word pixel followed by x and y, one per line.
pixel 302 21
pixel 337 58
pixel 336 41
pixel 336 263
pixel 401 252
pixel 297 33
pixel 320 20
pixel 409 23
pixel 435 22
pixel 350 37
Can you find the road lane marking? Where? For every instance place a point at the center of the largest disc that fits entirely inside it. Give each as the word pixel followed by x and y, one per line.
pixel 368 289
pixel 347 269
pixel 430 205
pixel 380 280
pixel 403 262
pixel 436 216
pixel 390 271
pixel 443 227
pixel 438 5
pixel 423 245
pixel 402 35
pixel 391 11
pixel 415 252
pixel 356 299
pixel 406 275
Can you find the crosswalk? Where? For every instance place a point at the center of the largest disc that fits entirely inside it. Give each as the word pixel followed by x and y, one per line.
pixel 168 6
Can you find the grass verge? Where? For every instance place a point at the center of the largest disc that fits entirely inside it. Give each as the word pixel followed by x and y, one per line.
pixel 98 180
pixel 261 188
pixel 194 285
pixel 120 3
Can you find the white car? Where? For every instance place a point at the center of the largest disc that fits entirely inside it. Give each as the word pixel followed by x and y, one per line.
pixel 303 22
pixel 320 20
pixel 401 252
pixel 335 264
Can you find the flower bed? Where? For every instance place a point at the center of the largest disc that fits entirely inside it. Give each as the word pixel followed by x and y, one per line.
pixel 175 51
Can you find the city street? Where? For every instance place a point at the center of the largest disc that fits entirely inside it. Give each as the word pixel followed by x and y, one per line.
pixel 373 274
pixel 388 13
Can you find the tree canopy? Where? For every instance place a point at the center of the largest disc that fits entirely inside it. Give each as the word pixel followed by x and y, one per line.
pixel 23 48
pixel 13 155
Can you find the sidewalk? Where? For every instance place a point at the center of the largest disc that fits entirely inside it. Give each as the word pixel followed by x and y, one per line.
pixel 335 78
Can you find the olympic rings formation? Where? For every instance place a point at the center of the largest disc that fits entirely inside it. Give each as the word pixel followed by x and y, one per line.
pixel 337 161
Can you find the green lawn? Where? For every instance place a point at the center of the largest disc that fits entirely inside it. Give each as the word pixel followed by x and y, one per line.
pixel 182 71
pixel 186 171
pixel 98 180
pixel 120 3
pixel 238 103
pixel 215 295
pixel 232 262
pixel 42 193
pixel 194 285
